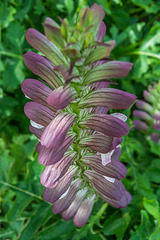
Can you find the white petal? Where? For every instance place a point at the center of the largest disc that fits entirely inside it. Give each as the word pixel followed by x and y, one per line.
pixel 120 116
pixel 106 158
pixel 36 125
pixel 112 180
pixel 65 193
pixel 27 97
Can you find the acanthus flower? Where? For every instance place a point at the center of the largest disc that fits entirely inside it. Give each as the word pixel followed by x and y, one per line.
pixel 70 114
pixel 148 113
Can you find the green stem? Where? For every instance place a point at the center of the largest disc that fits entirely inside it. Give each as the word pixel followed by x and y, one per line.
pixel 148 54
pixel 99 214
pixel 9 54
pixel 24 191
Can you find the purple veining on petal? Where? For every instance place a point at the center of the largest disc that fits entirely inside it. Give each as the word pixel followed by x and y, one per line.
pixel 108 97
pixel 49 156
pixel 112 190
pixel 61 97
pixel 106 124
pixel 101 32
pixel 36 90
pixel 63 203
pixel 120 203
pixel 48 48
pixel 71 211
pixel 98 142
pixel 36 131
pixel 39 113
pixel 84 211
pixel 42 67
pixel 56 131
pixel 53 194
pixel 53 173
pixel 114 169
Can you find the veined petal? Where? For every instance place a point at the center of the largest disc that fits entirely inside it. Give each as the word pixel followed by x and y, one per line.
pixel 100 110
pixel 36 90
pixel 48 48
pixel 98 142
pixel 144 106
pixel 139 125
pixel 70 212
pixel 142 115
pixel 56 131
pixel 116 154
pixel 99 52
pixel 49 156
pixel 62 204
pixel 112 190
pixel 101 32
pixel 61 97
pixel 53 194
pixel 99 85
pixel 39 147
pixel 53 32
pixel 120 203
pixel 53 173
pixel 108 97
pixel 42 67
pixel 112 69
pixel 39 113
pixel 88 16
pixel 120 116
pixel 36 131
pixel 106 124
pixel 84 211
pixel 114 169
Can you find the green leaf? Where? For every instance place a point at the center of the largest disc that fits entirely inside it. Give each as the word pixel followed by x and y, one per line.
pixel 145 187
pixel 153 171
pixel 148 5
pixel 69 4
pixel 22 201
pixel 16 71
pixel 7 106
pixel 155 235
pixel 42 214
pixel 116 225
pixel 143 231
pixel 154 147
pixel 15 36
pixel 152 207
pixel 54 231
pixel 6 14
pixel 121 17
pixel 39 8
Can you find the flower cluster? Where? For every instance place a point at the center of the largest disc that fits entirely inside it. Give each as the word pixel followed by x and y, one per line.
pixel 149 113
pixel 78 139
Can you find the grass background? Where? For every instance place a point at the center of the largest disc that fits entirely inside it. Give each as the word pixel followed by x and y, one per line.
pixel 24 215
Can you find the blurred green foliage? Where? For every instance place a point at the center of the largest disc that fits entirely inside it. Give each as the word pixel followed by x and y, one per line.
pixel 24 215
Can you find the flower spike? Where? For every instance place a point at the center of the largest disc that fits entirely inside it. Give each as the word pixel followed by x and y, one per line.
pixel 79 137
pixel 148 115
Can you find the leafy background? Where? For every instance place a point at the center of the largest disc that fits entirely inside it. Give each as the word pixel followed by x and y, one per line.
pixel 24 215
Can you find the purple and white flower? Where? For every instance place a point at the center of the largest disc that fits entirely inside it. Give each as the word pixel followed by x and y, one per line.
pixel 79 139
